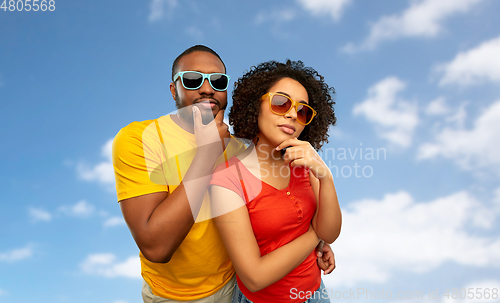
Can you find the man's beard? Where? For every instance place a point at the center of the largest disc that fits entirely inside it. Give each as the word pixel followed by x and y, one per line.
pixel 186 114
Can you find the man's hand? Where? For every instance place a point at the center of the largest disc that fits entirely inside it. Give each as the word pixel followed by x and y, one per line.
pixel 213 132
pixel 326 258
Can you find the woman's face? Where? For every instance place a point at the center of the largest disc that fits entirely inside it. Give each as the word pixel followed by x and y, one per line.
pixel 273 128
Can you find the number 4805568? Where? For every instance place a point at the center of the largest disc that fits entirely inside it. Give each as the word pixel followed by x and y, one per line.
pixel 28 5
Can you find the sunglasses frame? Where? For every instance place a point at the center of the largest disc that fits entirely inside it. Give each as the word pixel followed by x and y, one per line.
pixel 204 76
pixel 294 104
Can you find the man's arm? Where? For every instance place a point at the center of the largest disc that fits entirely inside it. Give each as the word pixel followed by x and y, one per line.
pixel 159 222
pixel 326 258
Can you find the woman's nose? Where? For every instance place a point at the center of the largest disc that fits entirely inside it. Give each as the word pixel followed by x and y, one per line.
pixel 292 113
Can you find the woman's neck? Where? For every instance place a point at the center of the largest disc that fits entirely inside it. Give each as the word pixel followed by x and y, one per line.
pixel 272 167
pixel 267 153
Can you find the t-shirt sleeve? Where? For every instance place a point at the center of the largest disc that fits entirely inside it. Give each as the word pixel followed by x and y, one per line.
pixel 132 174
pixel 227 177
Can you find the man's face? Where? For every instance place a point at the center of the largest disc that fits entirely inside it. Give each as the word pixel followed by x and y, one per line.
pixel 207 63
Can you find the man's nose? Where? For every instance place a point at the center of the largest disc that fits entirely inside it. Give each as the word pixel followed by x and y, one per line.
pixel 206 88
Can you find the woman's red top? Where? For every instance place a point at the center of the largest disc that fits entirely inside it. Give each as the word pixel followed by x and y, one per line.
pixel 278 216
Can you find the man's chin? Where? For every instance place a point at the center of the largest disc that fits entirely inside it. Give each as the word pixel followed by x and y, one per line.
pixel 208 116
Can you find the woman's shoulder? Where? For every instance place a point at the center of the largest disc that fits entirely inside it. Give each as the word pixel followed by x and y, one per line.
pixel 234 175
pixel 227 172
pixel 228 164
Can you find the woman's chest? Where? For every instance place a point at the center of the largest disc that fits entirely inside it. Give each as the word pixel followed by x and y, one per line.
pixel 281 214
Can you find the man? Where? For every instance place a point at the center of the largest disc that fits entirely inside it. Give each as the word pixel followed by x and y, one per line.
pixel 162 169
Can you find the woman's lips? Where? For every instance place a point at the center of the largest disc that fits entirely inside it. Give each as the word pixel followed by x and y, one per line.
pixel 286 128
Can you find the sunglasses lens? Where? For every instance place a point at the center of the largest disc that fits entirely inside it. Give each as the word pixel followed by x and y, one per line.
pixel 304 114
pixel 280 104
pixel 192 80
pixel 219 82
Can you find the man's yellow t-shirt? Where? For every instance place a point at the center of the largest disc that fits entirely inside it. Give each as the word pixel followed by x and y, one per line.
pixel 153 156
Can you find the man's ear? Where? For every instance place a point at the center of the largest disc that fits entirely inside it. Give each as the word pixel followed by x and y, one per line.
pixel 172 90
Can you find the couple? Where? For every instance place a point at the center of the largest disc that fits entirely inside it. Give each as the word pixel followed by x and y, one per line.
pixel 266 223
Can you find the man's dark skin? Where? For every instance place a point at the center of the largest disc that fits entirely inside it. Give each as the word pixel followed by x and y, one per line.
pixel 159 222
pixel 153 216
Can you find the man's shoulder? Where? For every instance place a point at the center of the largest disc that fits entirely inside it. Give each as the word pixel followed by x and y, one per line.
pixel 133 137
pixel 235 146
pixel 138 129
pixel 136 126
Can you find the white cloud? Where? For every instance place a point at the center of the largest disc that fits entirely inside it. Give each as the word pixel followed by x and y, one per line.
pixel 275 16
pixel 81 209
pixel 107 266
pixel 102 172
pixel 17 254
pixel 38 214
pixel 396 233
pixel 2 292
pixel 496 198
pixel 276 21
pixel 334 8
pixel 195 32
pixel 157 9
pixel 458 118
pixel 395 119
pixel 423 18
pixel 336 132
pixel 475 148
pixel 478 288
pixel 437 107
pixel 114 221
pixel 474 66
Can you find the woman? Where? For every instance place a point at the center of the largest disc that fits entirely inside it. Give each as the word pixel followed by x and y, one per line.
pixel 290 197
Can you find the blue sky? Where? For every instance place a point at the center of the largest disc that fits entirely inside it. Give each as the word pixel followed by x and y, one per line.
pixel 416 81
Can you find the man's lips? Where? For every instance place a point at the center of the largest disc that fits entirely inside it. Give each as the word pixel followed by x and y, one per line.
pixel 287 128
pixel 206 103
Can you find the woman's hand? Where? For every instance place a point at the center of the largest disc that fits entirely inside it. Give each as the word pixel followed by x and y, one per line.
pixel 301 153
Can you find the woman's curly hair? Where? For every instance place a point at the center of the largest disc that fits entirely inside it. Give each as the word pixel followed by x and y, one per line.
pixel 249 89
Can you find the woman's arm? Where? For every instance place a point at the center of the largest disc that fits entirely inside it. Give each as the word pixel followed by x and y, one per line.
pixel 328 219
pixel 254 270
